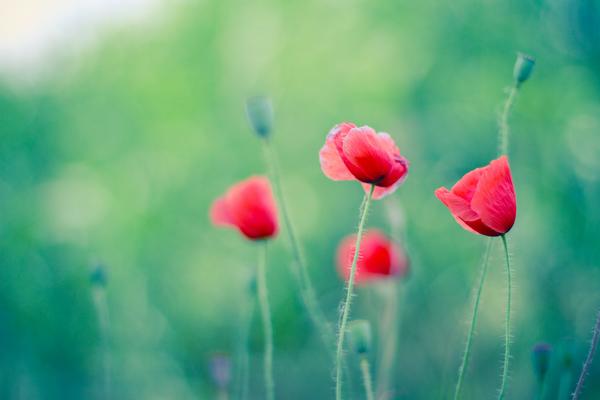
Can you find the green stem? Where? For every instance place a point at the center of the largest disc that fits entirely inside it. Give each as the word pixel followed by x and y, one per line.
pixel 266 321
pixel 504 128
pixel 588 360
pixel 540 390
pixel 467 353
pixel 348 300
pixel 101 305
pixel 246 320
pixel 367 380
pixel 299 270
pixel 566 383
pixel 507 333
pixel 388 332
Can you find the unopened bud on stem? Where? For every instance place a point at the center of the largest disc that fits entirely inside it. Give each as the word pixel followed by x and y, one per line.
pixel 98 276
pixel 359 333
pixel 541 359
pixel 523 67
pixel 260 115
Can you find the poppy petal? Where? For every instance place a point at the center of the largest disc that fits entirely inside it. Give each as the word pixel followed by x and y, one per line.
pixel 397 173
pixel 251 208
pixel 381 192
pixel 458 206
pixel 466 186
pixel 256 212
pixel 388 144
pixel 364 155
pixel 332 164
pixel 219 213
pixel 495 199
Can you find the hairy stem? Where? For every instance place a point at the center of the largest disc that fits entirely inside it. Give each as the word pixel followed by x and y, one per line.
pixel 345 310
pixel 588 360
pixel 366 375
pixel 265 311
pixel 504 127
pixel 507 333
pixel 299 269
pixel 467 353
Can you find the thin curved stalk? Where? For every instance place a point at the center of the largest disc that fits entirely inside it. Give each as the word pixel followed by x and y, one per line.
pixel 246 320
pixel 388 333
pixel 502 391
pixel 504 127
pixel 265 311
pixel 467 353
pixel 299 270
pixel 367 380
pixel 348 300
pixel 588 360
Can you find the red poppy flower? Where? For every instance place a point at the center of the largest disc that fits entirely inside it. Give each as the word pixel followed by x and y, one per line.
pixel 484 200
pixel 379 258
pixel 249 206
pixel 353 153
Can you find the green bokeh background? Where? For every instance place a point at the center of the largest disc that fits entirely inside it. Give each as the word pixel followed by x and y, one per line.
pixel 116 155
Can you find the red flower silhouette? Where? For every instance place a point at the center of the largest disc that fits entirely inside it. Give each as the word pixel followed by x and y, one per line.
pixel 378 258
pixel 249 206
pixel 353 153
pixel 484 200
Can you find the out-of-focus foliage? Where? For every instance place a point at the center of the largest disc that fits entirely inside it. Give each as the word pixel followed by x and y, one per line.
pixel 116 155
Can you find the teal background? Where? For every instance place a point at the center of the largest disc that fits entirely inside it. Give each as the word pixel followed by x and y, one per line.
pixel 116 154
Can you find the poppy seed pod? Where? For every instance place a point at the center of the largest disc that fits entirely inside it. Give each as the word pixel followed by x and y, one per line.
pixel 541 359
pixel 260 115
pixel 523 67
pixel 359 332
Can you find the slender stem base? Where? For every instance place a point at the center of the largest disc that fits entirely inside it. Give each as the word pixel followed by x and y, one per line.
pixel 265 311
pixel 366 375
pixel 540 390
pixel 388 334
pixel 565 385
pixel 101 305
pixel 345 310
pixel 502 391
pixel 467 353
pixel 588 360
pixel 247 313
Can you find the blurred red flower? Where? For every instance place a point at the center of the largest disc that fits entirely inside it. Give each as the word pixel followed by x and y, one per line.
pixel 250 207
pixel 483 201
pixel 359 153
pixel 378 258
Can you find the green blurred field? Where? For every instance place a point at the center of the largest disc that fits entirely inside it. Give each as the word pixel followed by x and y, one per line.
pixel 116 152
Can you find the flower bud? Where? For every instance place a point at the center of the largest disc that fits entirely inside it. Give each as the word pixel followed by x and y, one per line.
pixel 220 369
pixel 98 276
pixel 541 359
pixel 359 333
pixel 260 115
pixel 567 358
pixel 523 67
